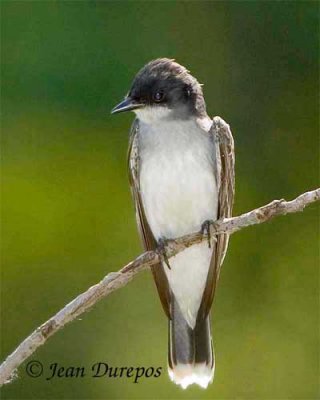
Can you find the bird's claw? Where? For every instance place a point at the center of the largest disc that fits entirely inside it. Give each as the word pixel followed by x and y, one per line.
pixel 206 229
pixel 161 250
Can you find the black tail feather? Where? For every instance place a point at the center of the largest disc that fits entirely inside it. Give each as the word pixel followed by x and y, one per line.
pixel 190 355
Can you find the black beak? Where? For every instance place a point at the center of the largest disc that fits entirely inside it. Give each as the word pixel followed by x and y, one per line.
pixel 127 104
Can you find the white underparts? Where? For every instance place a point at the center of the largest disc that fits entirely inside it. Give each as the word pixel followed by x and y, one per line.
pixel 178 187
pixel 187 277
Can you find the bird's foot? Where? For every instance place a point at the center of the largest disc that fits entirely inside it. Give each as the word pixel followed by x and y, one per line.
pixel 161 250
pixel 208 228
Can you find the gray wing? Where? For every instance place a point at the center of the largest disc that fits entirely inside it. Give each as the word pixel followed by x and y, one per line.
pixel 225 176
pixel 146 235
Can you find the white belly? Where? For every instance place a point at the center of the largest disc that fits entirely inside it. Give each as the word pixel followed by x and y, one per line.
pixel 179 192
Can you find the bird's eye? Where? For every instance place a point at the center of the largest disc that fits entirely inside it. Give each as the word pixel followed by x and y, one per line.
pixel 158 96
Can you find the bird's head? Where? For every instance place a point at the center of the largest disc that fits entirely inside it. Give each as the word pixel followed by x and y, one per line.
pixel 164 89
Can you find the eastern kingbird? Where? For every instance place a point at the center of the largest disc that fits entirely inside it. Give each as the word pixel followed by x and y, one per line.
pixel 177 181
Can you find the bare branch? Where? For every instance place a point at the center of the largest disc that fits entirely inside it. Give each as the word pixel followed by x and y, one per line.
pixel 116 280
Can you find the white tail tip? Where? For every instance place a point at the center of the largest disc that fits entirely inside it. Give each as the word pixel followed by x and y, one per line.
pixel 188 374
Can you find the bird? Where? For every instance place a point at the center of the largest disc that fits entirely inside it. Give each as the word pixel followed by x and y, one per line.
pixel 181 181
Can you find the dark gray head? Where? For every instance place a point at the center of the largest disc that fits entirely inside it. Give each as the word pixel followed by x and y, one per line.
pixel 164 87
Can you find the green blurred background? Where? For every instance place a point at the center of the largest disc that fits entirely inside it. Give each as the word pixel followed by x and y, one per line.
pixel 67 214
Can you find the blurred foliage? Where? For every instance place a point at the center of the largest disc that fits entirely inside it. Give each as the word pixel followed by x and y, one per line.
pixel 67 214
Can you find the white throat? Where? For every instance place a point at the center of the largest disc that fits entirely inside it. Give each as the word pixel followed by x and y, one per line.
pixel 153 114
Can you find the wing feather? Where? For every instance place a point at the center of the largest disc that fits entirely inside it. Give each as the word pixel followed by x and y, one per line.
pixel 146 235
pixel 225 176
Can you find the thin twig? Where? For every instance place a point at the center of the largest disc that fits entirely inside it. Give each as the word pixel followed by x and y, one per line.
pixel 116 280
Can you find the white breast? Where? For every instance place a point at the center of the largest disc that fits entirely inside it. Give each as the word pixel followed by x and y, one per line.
pixel 179 192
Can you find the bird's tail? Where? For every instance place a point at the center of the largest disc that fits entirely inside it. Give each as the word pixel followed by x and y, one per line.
pixel 191 358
